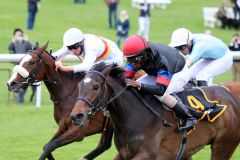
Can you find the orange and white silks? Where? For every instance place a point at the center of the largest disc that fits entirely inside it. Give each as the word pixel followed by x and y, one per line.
pixel 107 50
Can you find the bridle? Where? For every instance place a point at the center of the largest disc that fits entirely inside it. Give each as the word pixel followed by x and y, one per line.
pixel 100 106
pixel 31 79
pixel 103 107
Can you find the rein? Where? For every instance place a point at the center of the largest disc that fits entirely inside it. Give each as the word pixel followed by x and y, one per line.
pixel 164 122
pixel 96 108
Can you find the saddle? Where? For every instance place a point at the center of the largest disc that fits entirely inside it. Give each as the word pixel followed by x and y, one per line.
pixel 200 106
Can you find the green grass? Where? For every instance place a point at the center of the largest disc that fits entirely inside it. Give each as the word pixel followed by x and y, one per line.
pixel 24 129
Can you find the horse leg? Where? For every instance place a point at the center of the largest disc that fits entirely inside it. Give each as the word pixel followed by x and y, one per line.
pixel 34 88
pixel 223 150
pixel 60 139
pixel 104 144
pixel 74 134
pixel 46 149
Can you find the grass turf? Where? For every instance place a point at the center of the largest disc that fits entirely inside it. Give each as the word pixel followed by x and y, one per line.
pixel 24 128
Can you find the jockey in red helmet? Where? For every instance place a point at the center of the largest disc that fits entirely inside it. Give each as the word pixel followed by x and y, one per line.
pixel 166 70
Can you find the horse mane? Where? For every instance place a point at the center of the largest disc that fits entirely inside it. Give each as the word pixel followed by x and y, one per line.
pixel 117 73
pixel 43 50
pixel 115 70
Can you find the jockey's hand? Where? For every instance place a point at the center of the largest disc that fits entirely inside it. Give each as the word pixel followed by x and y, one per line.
pixel 133 83
pixel 58 65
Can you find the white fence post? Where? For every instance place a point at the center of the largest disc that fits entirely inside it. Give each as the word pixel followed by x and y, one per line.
pixel 38 95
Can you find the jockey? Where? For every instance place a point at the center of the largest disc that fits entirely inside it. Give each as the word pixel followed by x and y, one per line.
pixel 166 70
pixel 209 55
pixel 89 48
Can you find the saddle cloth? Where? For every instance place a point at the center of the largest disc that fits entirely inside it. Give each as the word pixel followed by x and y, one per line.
pixel 200 106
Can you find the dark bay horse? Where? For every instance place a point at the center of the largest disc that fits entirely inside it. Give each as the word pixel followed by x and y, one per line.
pixel 139 134
pixel 38 65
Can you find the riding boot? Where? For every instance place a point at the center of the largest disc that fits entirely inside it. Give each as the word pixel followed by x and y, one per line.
pixel 182 112
pixel 201 83
pixel 192 83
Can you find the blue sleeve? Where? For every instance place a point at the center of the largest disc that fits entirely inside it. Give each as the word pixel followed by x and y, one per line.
pixel 197 52
pixel 130 70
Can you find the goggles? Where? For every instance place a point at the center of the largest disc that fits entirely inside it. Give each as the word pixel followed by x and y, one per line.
pixel 137 59
pixel 74 46
pixel 180 48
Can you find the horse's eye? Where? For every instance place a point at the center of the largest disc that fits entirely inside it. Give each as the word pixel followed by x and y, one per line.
pixel 95 86
pixel 31 62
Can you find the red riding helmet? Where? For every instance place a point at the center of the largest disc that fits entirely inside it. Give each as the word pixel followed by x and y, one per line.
pixel 134 45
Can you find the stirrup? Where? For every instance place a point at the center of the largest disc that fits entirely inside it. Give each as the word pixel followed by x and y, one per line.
pixel 184 125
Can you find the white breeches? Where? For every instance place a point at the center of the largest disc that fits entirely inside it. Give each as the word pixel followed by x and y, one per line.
pixel 144 27
pixel 207 69
pixel 178 81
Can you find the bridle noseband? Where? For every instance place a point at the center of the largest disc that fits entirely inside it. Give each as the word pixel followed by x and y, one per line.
pixel 98 106
pixel 30 80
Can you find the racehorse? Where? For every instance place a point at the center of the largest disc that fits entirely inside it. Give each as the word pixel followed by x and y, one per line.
pixel 39 65
pixel 141 135
pixel 234 88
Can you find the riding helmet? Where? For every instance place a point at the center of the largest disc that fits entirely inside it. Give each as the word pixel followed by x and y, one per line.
pixel 180 37
pixel 72 36
pixel 134 45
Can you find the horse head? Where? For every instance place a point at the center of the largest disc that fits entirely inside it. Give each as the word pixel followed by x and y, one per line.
pixel 30 69
pixel 93 94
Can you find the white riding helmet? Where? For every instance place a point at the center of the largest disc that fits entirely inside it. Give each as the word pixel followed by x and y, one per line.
pixel 181 36
pixel 72 36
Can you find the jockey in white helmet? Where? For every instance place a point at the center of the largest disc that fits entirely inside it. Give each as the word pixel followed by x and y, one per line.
pixel 89 47
pixel 209 55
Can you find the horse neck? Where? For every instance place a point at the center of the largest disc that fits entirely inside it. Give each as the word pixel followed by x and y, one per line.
pixel 128 110
pixel 59 84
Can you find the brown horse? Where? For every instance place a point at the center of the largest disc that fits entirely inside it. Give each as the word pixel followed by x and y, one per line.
pixel 234 88
pixel 139 134
pixel 38 65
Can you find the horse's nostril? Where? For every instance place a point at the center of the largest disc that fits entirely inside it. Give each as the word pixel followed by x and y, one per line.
pixel 77 117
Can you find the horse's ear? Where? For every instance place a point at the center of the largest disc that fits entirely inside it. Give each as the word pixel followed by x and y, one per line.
pixel 108 69
pixel 45 46
pixel 36 46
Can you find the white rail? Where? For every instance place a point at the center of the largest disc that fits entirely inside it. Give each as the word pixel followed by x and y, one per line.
pixel 17 57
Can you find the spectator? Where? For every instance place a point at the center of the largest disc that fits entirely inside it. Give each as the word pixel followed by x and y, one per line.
pixel 122 27
pixel 209 55
pixel 236 9
pixel 144 20
pixel 235 46
pixel 112 12
pixel 19 44
pixel 32 11
pixel 91 47
pixel 222 14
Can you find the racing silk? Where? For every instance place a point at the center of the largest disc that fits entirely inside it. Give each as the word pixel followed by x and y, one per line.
pixel 207 47
pixel 96 48
pixel 163 61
